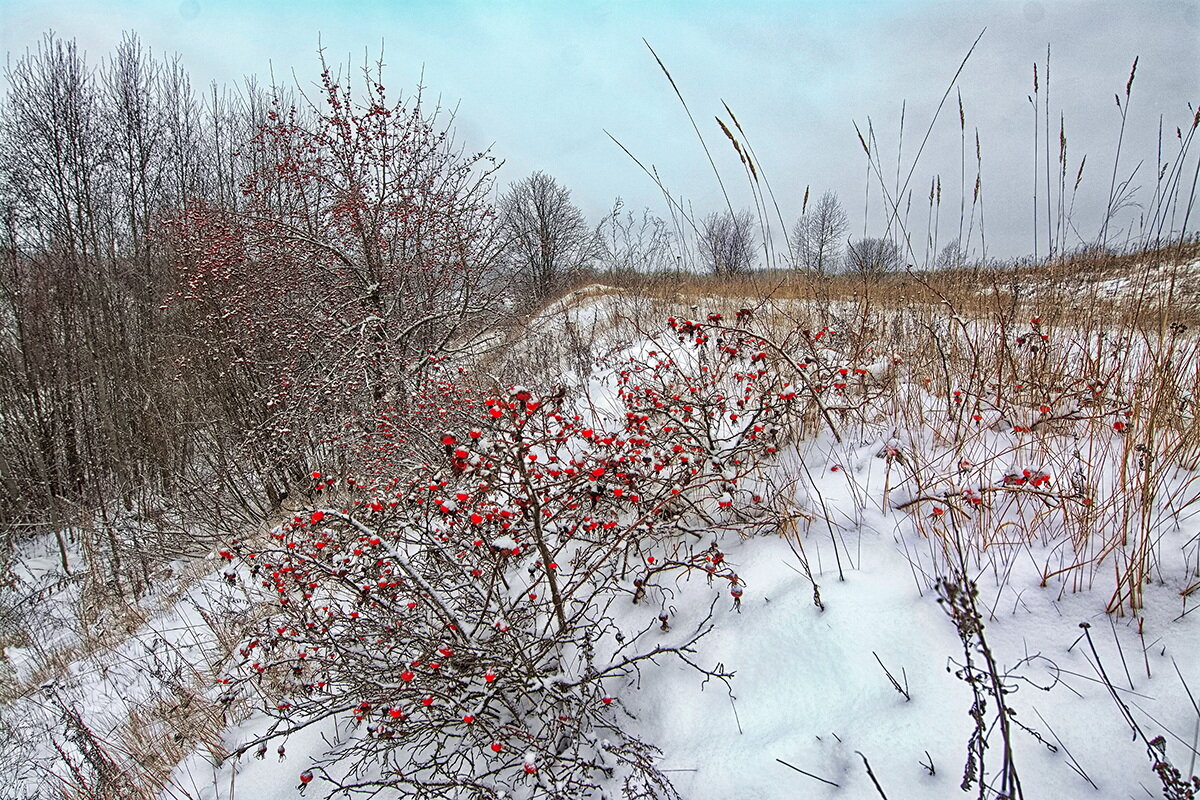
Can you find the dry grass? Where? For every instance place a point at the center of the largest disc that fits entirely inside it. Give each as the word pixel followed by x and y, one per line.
pixel 158 737
pixel 971 346
pixel 1071 289
pixel 136 757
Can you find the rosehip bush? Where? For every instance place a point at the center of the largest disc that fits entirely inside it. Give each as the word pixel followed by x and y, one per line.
pixel 471 628
pixel 360 253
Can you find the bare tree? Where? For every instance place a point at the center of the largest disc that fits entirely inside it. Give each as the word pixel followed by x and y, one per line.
pixel 80 188
pixel 638 243
pixel 547 236
pixel 727 242
pixel 54 151
pixel 817 235
pixel 134 123
pixel 951 256
pixel 873 256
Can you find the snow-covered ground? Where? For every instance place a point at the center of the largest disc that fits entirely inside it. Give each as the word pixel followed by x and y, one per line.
pixel 849 671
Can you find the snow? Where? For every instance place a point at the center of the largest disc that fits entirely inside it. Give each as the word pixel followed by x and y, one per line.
pixel 504 543
pixel 811 703
pixel 809 691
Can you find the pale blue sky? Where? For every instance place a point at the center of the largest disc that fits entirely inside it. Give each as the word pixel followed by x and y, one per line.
pixel 540 81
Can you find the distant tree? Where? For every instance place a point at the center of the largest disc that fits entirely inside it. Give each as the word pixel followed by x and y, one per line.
pixel 631 242
pixel 873 256
pixel 546 236
pixel 817 236
pixel 727 242
pixel 951 256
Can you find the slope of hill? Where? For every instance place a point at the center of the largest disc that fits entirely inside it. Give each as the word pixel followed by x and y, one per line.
pixel 957 547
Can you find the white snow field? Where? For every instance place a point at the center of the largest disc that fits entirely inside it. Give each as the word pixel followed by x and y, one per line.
pixel 850 676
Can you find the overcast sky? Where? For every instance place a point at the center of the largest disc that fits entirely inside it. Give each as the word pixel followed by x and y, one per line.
pixel 540 82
